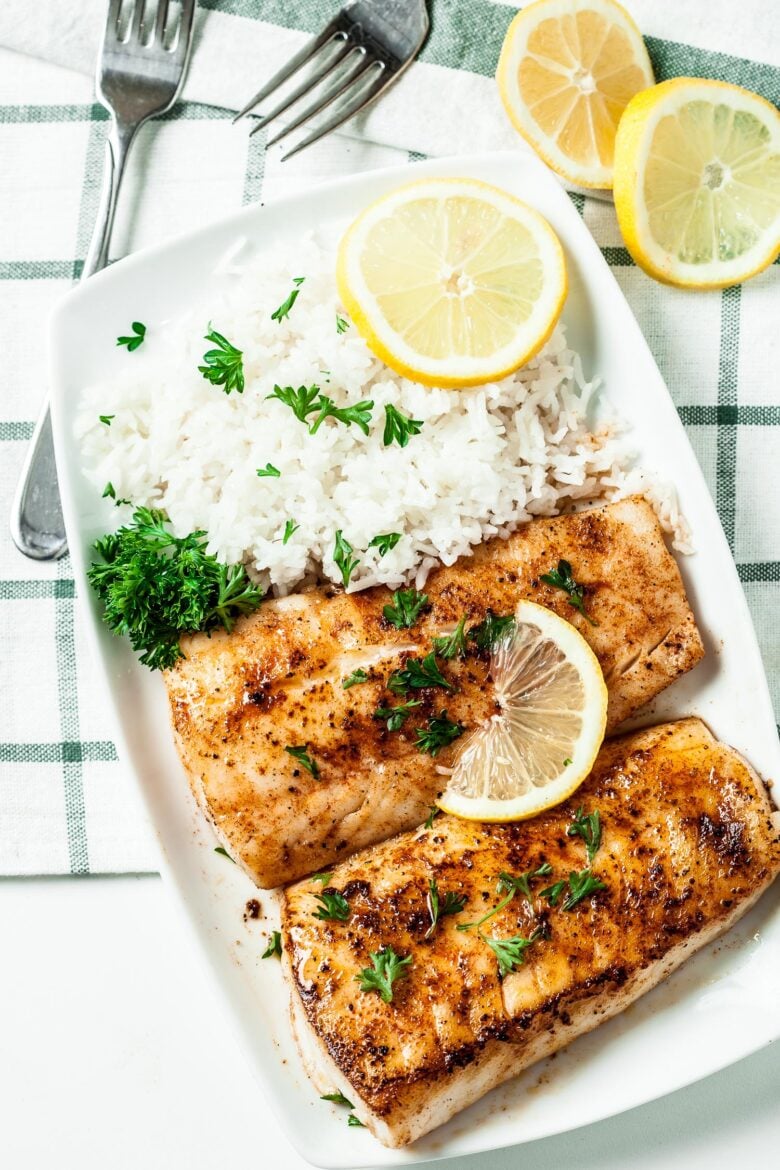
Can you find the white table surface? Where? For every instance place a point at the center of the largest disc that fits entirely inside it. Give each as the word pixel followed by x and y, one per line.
pixel 111 1058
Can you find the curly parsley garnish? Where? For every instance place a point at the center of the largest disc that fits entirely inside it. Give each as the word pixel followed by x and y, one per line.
pixel 561 578
pixel 440 906
pixel 333 907
pixel 510 952
pixel 396 716
pixel 274 946
pixel 284 309
pixel 385 542
pixel 270 471
pixel 398 427
pixel 289 527
pixel 581 885
pixel 417 674
pixel 156 586
pixel 386 969
pixel 440 732
pixel 224 365
pixel 407 606
pixel 491 630
pixel 138 335
pixel 304 759
pixel 587 826
pixel 342 555
pixel 452 645
pixel 352 680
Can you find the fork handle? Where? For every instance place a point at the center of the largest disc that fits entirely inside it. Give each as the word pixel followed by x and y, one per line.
pixel 37 525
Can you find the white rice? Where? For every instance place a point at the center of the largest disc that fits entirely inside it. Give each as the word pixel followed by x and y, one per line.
pixel 485 461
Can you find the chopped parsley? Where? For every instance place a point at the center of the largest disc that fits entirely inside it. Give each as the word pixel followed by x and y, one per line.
pixel 107 419
pixel 416 674
pixel 109 491
pixel 352 680
pixel 337 1099
pixel 440 906
pixel 522 884
pixel 385 542
pixel 342 555
pixel 138 335
pixel 224 365
pixel 510 952
pixel 440 732
pixel 284 309
pixel 321 877
pixel 433 812
pixel 386 969
pixel 289 527
pixel 561 578
pixel 342 324
pixel 156 586
pixel 398 427
pixel 269 470
pixel 355 1121
pixel 407 606
pixel 304 759
pixel 396 716
pixel 274 946
pixel 567 762
pixel 492 630
pixel 452 645
pixel 581 885
pixel 587 826
pixel 333 907
pixel 223 853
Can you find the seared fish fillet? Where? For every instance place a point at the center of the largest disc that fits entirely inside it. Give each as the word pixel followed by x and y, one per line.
pixel 238 700
pixel 689 843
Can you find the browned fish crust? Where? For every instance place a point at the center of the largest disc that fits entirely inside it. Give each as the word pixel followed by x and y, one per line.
pixel 238 700
pixel 688 844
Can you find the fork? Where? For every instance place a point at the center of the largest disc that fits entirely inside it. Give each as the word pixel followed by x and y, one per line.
pixel 141 69
pixel 364 49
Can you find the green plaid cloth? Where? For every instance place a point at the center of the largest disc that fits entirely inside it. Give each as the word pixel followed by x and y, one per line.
pixel 66 805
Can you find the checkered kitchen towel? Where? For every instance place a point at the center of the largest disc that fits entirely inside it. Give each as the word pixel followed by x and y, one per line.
pixel 65 804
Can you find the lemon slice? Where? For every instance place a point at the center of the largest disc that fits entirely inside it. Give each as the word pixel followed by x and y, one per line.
pixel 697 182
pixel 567 70
pixel 542 745
pixel 452 282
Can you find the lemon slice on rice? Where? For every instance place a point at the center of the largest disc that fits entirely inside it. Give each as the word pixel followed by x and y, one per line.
pixel 452 282
pixel 553 716
pixel 697 182
pixel 568 69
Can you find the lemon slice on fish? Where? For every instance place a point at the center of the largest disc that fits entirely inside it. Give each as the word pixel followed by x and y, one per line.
pixel 553 714
pixel 452 282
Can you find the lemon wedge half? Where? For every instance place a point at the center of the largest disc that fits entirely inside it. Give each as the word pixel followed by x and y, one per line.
pixel 542 744
pixel 567 70
pixel 697 182
pixel 452 282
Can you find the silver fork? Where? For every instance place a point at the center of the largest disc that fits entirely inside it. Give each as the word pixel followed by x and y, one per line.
pixel 364 49
pixel 141 69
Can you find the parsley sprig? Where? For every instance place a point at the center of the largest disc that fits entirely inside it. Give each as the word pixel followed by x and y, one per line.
pixel 269 471
pixel 306 400
pixel 155 586
pixel 452 645
pixel 509 885
pixel 433 812
pixel 561 578
pixel 386 969
pixel 342 555
pixel 333 906
pixel 510 952
pixel 274 946
pixel 284 309
pixel 385 542
pixel 289 528
pixel 587 826
pixel 581 885
pixel 136 338
pixel 395 717
pixel 352 680
pixel 337 1099
pixel 439 906
pixel 416 674
pixel 224 365
pixel 398 427
pixel 406 608
pixel 439 733
pixel 489 632
pixel 301 754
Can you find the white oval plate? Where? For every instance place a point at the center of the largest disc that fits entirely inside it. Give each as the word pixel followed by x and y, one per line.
pixel 718 1008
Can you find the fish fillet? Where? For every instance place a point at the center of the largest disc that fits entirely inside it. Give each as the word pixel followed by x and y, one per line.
pixel 689 843
pixel 238 700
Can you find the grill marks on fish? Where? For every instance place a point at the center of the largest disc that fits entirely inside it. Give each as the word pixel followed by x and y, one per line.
pixel 237 700
pixel 689 843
